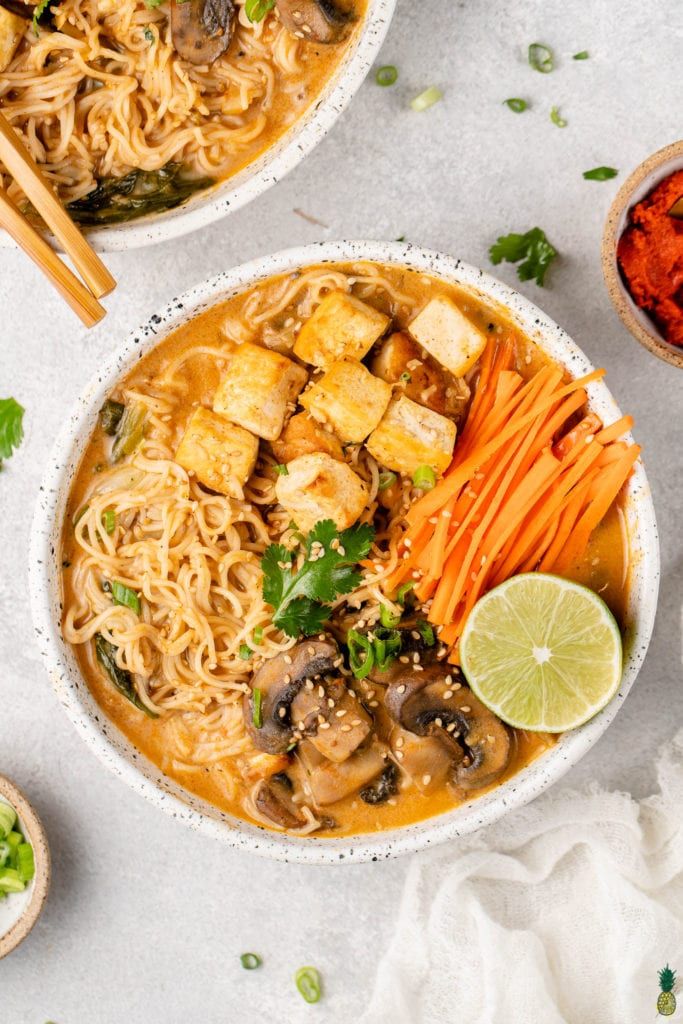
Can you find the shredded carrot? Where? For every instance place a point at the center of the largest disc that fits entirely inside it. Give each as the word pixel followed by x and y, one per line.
pixel 615 430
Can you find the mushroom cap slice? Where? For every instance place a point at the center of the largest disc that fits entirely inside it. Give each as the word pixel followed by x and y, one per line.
pixel 321 21
pixel 334 720
pixel 202 29
pixel 427 704
pixel 279 680
pixel 328 782
pixel 272 799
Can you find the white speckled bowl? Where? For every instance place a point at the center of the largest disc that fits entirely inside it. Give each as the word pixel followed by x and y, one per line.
pixel 20 911
pixel 119 755
pixel 267 169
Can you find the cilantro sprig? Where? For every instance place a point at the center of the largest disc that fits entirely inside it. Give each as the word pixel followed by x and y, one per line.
pixel 301 597
pixel 11 427
pixel 532 251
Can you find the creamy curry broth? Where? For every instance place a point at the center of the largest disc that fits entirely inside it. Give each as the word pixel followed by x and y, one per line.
pixel 604 568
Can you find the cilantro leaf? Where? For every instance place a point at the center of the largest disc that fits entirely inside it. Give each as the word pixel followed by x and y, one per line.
pixel 533 250
pixel 11 426
pixel 301 599
pixel 38 12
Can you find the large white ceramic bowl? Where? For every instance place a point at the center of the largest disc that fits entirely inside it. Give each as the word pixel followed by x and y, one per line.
pixel 119 754
pixel 268 168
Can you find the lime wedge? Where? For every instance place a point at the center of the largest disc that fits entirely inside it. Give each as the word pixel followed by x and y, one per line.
pixel 542 653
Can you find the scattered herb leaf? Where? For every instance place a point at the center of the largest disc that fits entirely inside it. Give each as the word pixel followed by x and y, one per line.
pixel 281 469
pixel 250 961
pixel 600 174
pixel 557 118
pixel 120 677
pixel 308 982
pixel 541 58
pixel 245 652
pixel 516 104
pixel 386 75
pixel 532 251
pixel 256 10
pixel 123 595
pixel 11 427
pixel 582 55
pixel 426 99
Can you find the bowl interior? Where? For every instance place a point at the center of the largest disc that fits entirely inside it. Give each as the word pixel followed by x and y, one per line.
pixel 144 777
pixel 20 911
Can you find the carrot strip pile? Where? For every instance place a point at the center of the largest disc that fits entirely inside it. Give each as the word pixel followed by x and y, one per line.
pixel 524 492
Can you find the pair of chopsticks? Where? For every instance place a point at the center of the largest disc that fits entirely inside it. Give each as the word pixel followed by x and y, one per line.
pixel 82 297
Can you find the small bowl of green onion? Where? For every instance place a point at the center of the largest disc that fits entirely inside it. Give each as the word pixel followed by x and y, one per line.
pixel 24 867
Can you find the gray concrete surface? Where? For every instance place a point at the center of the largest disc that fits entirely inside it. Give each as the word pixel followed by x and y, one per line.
pixel 146 921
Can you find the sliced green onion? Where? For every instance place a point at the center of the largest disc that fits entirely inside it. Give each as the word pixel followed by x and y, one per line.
pixel 256 10
pixel 123 595
pixel 130 431
pixel 245 652
pixel 257 636
pixel 386 75
pixel 402 591
pixel 26 865
pixel 600 174
pixel 516 104
pixel 582 55
pixel 386 480
pixel 358 645
pixel 309 984
pixel 250 961
pixel 281 469
pixel 426 99
pixel 149 35
pixel 109 520
pixel 426 631
pixel 424 477
pixel 541 58
pixel 405 378
pixel 10 880
pixel 387 617
pixel 257 707
pixel 110 415
pixel 8 817
pixel 4 853
pixel 557 118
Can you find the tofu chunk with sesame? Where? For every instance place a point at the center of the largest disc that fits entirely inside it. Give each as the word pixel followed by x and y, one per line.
pixel 12 29
pixel 303 436
pixel 258 387
pixel 448 335
pixel 318 487
pixel 342 327
pixel 409 435
pixel 348 398
pixel 221 454
pixel 401 361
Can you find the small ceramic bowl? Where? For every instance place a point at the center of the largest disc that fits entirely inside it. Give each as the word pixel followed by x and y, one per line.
pixel 145 778
pixel 645 177
pixel 20 911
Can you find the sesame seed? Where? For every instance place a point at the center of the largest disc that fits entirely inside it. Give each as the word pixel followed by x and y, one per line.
pixel 330 702
pixel 341 713
pixel 439 722
pixel 399 755
pixel 311 650
pixel 415 635
pixel 426 779
pixel 457 686
pixel 451 727
pixel 288 659
pixel 404 659
pixel 287 679
pixel 448 694
pixel 465 708
pixel 324 725
pixel 309 684
pixel 373 704
pixel 346 728
pixel 399 742
pixel 300 726
pixel 282 712
pixel 321 690
pixel 401 688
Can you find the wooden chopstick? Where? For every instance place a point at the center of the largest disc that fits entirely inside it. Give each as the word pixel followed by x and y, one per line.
pixel 27 174
pixel 34 245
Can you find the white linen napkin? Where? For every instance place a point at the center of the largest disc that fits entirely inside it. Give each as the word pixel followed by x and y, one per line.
pixel 561 913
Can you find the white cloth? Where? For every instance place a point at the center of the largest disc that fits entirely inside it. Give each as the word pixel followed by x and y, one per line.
pixel 562 913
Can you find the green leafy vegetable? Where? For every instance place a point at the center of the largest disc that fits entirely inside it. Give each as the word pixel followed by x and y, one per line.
pixel 308 982
pixel 123 595
pixel 301 599
pixel 557 118
pixel 426 99
pixel 541 58
pixel 600 174
pixel 256 10
pixel 424 477
pixel 516 104
pixel 109 520
pixel 38 12
pixel 137 193
pixel 532 251
pixel 250 961
pixel 386 75
pixel 120 677
pixel 257 712
pixel 245 652
pixel 26 865
pixel 130 431
pixel 11 426
pixel 582 55
pixel 110 416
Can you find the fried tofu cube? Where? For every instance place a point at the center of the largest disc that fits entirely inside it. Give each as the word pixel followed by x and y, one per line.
pixel 447 334
pixel 409 436
pixel 258 387
pixel 303 436
pixel 401 361
pixel 342 327
pixel 221 454
pixel 348 398
pixel 318 487
pixel 12 28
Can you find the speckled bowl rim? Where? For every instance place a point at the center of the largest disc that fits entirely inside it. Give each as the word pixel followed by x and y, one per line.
pixel 35 833
pixel 122 758
pixel 267 168
pixel 641 181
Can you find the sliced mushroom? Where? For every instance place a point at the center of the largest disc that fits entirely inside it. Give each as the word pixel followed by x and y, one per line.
pixel 332 718
pixel 328 782
pixel 426 760
pixel 383 787
pixel 273 799
pixel 321 21
pixel 428 703
pixel 202 29
pixel 278 681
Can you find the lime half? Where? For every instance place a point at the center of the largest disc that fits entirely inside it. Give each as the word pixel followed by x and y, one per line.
pixel 542 653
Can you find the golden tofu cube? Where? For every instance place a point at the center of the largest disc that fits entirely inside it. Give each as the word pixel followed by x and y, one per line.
pixel 349 399
pixel 447 334
pixel 319 487
pixel 342 327
pixel 221 454
pixel 303 436
pixel 12 28
pixel 258 387
pixel 410 435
